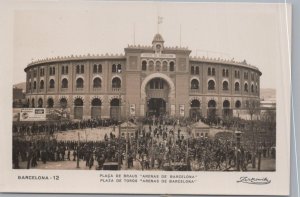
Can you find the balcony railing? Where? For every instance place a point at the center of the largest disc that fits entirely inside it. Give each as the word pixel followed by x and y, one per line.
pixel 79 89
pixel 51 89
pixel 194 90
pixel 41 90
pixel 97 89
pixel 64 89
pixel 116 89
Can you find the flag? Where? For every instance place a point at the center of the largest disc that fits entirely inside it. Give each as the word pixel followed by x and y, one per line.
pixel 159 19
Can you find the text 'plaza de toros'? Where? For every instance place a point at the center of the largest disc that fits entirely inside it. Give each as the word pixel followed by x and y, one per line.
pixel 147 80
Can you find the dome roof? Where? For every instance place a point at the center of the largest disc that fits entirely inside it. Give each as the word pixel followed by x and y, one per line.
pixel 158 38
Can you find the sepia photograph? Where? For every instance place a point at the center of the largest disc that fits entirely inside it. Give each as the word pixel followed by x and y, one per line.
pixel 151 87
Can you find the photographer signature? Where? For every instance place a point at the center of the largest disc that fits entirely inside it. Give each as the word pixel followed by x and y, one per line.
pixel 257 181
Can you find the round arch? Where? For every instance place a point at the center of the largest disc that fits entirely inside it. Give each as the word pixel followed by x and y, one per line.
pixel 157 75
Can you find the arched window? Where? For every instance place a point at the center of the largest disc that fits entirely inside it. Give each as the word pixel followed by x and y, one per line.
pixel 96 102
pixel 225 85
pixel 246 87
pixel 116 82
pixel 212 104
pixel 79 83
pixel 211 85
pixel 115 102
pixel 151 66
pixel 50 103
pixel 165 66
pixel 114 68
pixel 226 104
pixel 42 84
pixel 100 68
pixel 34 85
pixel 40 103
pixel 97 83
pixel 119 68
pixel 157 66
pixel 237 86
pixel 78 102
pixel 197 71
pixel 64 83
pixel 63 103
pixel 238 104
pixel 32 103
pixel 195 103
pixel 172 66
pixel 252 88
pixel 194 84
pixel 52 83
pixel 144 65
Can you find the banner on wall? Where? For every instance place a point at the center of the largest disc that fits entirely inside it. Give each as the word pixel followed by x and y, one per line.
pixel 33 114
pixel 181 110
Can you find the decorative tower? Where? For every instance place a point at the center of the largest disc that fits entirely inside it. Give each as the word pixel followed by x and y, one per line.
pixel 158 43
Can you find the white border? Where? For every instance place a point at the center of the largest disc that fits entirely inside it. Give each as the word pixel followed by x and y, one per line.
pixel 73 181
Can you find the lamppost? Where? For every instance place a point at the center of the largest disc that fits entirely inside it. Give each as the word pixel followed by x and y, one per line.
pixel 238 144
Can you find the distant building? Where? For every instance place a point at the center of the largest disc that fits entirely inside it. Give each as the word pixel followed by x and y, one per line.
pixel 18 97
pixel 147 80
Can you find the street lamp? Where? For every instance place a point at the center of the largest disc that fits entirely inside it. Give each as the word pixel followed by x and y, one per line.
pixel 238 135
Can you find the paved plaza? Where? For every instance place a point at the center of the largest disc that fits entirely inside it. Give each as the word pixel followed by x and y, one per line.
pixel 98 134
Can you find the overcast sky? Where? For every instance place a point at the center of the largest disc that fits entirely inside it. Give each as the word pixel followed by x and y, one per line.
pixel 250 32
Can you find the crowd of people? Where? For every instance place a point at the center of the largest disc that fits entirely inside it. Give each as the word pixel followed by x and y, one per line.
pixel 159 144
pixel 53 126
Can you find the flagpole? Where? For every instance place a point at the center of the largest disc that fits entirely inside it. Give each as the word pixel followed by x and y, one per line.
pixel 133 33
pixel 180 36
pixel 157 24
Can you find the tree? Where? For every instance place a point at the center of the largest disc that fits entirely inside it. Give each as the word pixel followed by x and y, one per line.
pixel 252 108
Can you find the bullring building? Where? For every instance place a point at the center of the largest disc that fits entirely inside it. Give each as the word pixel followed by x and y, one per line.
pixel 146 80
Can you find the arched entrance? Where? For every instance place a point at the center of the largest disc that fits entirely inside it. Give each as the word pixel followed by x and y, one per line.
pixel 40 103
pixel 212 110
pixel 63 103
pixel 156 106
pixel 115 109
pixel 78 108
pixel 195 111
pixel 227 112
pixel 96 108
pixel 157 91
pixel 50 103
pixel 162 87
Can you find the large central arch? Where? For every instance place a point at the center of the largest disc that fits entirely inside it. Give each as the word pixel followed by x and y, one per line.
pixel 171 95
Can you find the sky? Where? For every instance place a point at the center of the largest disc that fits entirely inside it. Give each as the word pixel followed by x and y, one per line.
pixel 240 31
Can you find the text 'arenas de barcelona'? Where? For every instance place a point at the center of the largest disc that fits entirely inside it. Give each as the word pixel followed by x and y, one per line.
pixel 146 81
